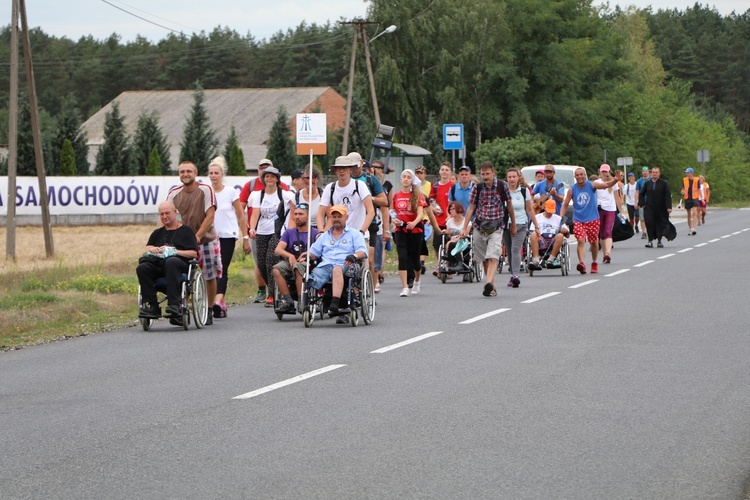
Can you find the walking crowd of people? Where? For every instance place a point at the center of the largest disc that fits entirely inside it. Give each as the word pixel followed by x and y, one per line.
pixel 361 215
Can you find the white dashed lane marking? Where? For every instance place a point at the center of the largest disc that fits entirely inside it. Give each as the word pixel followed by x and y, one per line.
pixel 541 297
pixel 289 381
pixel 645 263
pixel 405 342
pixel 484 316
pixel 621 271
pixel 579 285
pixel 666 256
pixel 685 250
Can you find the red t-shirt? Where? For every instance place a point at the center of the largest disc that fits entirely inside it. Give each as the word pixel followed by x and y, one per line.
pixel 245 194
pixel 440 194
pixel 402 206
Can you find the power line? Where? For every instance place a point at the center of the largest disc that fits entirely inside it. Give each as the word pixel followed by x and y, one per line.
pixel 140 17
pixel 157 17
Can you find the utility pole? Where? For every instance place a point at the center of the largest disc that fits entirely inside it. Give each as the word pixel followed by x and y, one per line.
pixel 360 34
pixel 20 5
pixel 10 214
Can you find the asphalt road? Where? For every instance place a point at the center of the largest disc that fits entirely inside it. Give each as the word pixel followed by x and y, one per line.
pixel 632 383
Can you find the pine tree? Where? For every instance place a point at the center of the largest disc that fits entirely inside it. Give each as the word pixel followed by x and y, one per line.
pixel 231 141
pixel 69 127
pixel 236 161
pixel 148 135
pixel 68 159
pixel 112 157
pixel 281 146
pixel 199 142
pixel 154 162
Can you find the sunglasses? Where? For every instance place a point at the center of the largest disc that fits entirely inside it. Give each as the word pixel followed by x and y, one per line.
pixel 303 206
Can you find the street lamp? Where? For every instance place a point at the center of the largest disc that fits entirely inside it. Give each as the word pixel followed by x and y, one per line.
pixel 359 29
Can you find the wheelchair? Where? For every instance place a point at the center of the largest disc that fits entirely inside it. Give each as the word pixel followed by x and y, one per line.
pixel 358 296
pixel 563 256
pixel 193 299
pixel 467 265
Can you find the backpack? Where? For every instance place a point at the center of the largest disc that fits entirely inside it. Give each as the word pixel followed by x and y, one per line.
pixel 281 212
pixel 376 219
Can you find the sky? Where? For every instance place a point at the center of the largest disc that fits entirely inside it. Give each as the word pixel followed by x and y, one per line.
pixel 101 18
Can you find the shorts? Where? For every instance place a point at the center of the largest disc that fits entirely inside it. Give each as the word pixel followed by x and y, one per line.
pixel 587 231
pixel 322 275
pixel 631 211
pixel 285 269
pixel 488 246
pixel 640 214
pixel 209 258
pixel 690 204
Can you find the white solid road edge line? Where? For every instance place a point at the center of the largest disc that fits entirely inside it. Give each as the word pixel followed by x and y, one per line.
pixel 405 342
pixel 290 381
pixel 541 297
pixel 579 285
pixel 484 316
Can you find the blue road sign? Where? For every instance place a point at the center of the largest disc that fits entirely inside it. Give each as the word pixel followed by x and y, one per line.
pixel 453 136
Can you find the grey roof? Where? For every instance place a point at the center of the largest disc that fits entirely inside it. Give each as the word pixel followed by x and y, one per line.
pixel 412 150
pixel 251 111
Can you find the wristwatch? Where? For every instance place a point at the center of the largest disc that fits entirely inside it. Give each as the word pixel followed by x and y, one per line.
pixel 246 237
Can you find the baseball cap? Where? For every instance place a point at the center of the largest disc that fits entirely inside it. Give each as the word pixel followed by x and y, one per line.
pixel 420 169
pixel 549 168
pixel 604 168
pixel 337 208
pixel 631 174
pixel 464 167
pixel 265 161
pixel 539 172
pixel 550 206
pixel 644 169
pixel 354 156
pixel 689 171
pixel 297 174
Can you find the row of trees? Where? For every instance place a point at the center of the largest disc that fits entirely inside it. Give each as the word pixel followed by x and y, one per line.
pixel 563 83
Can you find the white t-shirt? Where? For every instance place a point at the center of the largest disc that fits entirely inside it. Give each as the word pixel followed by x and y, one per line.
pixel 453 228
pixel 269 208
pixel 313 204
pixel 225 220
pixel 629 192
pixel 606 199
pixel 519 204
pixel 354 202
pixel 548 226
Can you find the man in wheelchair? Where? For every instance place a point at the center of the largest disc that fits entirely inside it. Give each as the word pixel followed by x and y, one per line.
pixel 292 247
pixel 168 251
pixel 335 253
pixel 547 236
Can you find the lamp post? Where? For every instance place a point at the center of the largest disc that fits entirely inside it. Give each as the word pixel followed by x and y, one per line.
pixel 360 34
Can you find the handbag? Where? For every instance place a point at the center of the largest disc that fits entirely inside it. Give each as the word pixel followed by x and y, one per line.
pixel 622 230
pixel 487 227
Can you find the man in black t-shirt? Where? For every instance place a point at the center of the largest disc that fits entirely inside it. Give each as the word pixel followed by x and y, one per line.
pixel 168 251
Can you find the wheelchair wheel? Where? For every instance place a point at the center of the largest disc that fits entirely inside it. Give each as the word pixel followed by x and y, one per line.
pixel 199 300
pixel 308 317
pixel 478 271
pixel 354 318
pixel 565 258
pixel 526 257
pixel 145 322
pixel 367 297
pixel 443 277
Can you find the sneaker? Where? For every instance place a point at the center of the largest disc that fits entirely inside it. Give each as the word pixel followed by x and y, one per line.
pixel 209 321
pixel 377 287
pixel 404 292
pixel 660 245
pixel 534 265
pixel 333 310
pixel 342 320
pixel 643 236
pixel 260 297
pixel 269 301
pixel 493 293
pixel 515 281
pixel 581 267
pixel 173 310
pixel 149 311
pixel 693 232
pixel 216 309
pixel 488 289
pixel 555 264
pixel 649 245
pixel 594 268
pixel 223 313
pixel 607 259
pixel 287 307
pixel 381 279
pixel 415 288
pixel 175 320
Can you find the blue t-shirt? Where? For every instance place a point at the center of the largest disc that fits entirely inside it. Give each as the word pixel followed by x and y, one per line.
pixel 457 193
pixel 334 251
pixel 542 188
pixel 296 241
pixel 584 203
pixel 639 185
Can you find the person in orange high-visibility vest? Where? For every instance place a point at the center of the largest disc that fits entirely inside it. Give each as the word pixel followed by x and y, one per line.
pixel 691 195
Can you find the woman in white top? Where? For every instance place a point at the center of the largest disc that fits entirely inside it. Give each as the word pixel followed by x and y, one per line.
pixel 609 201
pixel 262 225
pixel 454 224
pixel 228 220
pixel 522 207
pixel 303 195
